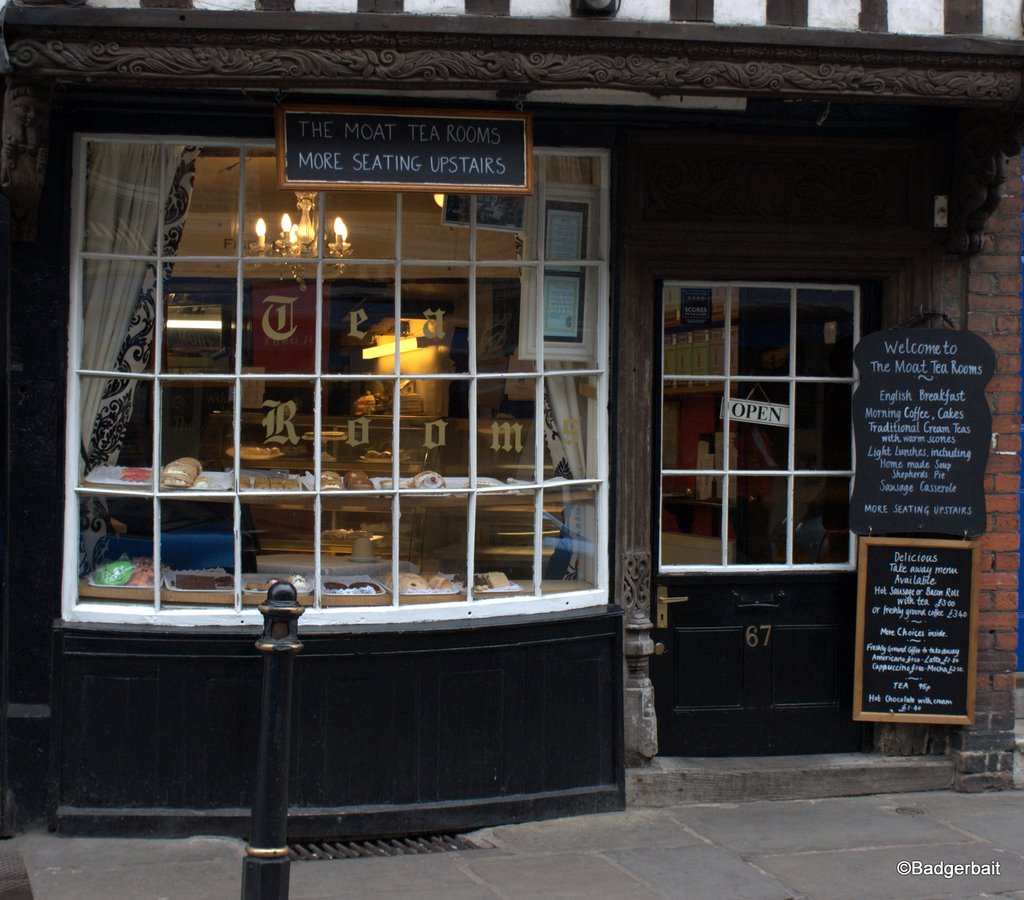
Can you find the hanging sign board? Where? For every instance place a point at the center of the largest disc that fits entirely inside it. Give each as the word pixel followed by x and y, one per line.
pixel 760 412
pixel 916 650
pixel 337 147
pixel 922 428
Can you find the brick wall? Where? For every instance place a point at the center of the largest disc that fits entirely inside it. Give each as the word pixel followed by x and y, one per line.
pixel 984 752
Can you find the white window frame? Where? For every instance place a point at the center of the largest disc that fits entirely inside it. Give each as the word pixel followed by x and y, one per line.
pixel 76 609
pixel 789 472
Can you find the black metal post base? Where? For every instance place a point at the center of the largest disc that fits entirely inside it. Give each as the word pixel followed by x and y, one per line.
pixel 265 879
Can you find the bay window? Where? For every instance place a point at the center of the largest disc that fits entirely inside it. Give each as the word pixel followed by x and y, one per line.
pixel 395 400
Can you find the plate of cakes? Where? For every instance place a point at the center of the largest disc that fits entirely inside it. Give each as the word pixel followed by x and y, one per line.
pixel 486 584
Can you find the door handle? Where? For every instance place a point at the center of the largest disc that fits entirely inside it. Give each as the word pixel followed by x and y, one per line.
pixel 661 620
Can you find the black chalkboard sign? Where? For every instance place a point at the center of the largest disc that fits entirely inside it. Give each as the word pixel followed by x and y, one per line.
pixel 916 653
pixel 324 147
pixel 922 428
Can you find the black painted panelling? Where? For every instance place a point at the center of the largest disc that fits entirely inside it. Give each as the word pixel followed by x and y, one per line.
pixel 874 15
pixel 487 7
pixel 786 12
pixel 499 717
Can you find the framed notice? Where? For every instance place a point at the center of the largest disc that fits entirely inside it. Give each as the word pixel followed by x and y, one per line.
pixel 350 147
pixel 495 212
pixel 916 650
pixel 563 306
pixel 565 229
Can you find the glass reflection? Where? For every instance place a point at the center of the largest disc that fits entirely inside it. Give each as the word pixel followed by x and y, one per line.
pixel 568 541
pixel 117 430
pixel 210 226
pixel 821 509
pixel 824 326
pixel 761 337
pixel 757 515
pixel 116 543
pixel 691 521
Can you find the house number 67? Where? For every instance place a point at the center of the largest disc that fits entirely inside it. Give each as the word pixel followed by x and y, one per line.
pixel 757 635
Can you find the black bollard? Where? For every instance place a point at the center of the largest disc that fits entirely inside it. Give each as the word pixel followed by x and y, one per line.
pixel 266 865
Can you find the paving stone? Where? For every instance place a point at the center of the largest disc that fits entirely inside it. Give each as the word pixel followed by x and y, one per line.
pixel 872 874
pixel 561 875
pixel 769 826
pixel 699 872
pixel 436 876
pixel 605 831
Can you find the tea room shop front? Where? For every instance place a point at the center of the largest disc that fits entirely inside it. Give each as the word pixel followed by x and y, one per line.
pixel 541 400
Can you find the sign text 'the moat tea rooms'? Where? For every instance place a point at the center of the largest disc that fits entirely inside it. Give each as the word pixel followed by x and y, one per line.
pixel 336 147
pixel 922 428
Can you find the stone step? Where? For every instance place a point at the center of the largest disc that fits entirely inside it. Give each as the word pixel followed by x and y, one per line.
pixel 669 781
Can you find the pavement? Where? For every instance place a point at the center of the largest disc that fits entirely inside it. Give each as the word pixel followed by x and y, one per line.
pixel 950 844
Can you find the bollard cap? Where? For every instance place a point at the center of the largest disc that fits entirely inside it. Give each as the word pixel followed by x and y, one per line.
pixel 281 613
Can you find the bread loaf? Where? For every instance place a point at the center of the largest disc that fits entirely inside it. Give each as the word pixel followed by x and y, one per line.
pixel 180 473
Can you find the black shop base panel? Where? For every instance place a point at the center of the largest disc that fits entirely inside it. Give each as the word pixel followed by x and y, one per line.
pixel 395 731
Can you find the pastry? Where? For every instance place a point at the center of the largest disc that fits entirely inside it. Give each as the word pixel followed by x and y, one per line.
pixel 180 473
pixel 428 480
pixel 358 480
pixel 491 581
pixel 203 581
pixel 202 483
pixel 142 572
pixel 331 481
pixel 407 581
pixel 439 582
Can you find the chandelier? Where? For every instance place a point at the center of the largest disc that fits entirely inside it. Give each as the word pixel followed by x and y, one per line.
pixel 299 238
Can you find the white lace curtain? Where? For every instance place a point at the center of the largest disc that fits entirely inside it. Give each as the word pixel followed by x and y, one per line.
pixel 130 187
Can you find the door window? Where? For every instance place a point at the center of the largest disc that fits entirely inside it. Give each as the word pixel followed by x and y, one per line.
pixel 756 441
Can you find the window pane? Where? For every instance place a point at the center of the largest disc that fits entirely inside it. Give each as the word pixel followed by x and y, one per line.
pixel 568 554
pixel 282 536
pixel 757 517
pixel 821 509
pixel 272 451
pixel 824 321
pixel 126 185
pixel 199 318
pixel 691 525
pixel 280 319
pixel 434 542
pixel 117 429
pixel 359 307
pixel 823 422
pixel 118 315
pixel 367 224
pixel 498 322
pixel 691 429
pixel 288 220
pixel 194 421
pixel 428 232
pixel 504 544
pixel 197 550
pixel 208 215
pixel 505 432
pixel 759 443
pixel 116 549
pixel 763 331
pixel 569 448
pixel 501 220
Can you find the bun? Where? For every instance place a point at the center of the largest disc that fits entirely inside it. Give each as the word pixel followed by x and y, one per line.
pixel 331 481
pixel 428 480
pixel 180 473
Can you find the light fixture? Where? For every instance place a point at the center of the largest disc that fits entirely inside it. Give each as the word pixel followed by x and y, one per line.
pixel 300 238
pixel 194 318
pixel 388 347
pixel 594 7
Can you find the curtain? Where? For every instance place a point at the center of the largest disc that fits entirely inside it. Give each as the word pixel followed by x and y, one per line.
pixel 123 211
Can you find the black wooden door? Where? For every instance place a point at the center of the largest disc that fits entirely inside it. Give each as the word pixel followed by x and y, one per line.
pixel 755 666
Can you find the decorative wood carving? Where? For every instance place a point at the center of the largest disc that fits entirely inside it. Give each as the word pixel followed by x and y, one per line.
pixel 26 127
pixel 983 146
pixel 344 58
pixel 640 719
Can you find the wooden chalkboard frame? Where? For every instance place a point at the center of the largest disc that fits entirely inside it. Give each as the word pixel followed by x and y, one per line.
pixel 522 186
pixel 963 718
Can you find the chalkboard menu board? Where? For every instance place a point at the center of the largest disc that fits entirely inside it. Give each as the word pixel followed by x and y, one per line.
pixel 323 147
pixel 922 428
pixel 916 653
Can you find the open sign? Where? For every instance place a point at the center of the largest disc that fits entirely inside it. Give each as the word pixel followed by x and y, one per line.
pixel 759 411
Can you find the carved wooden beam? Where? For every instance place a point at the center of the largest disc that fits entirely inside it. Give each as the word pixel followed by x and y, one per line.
pixel 159 46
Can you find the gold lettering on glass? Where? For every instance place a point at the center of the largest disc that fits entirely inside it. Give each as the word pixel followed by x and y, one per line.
pixel 278 422
pixel 434 434
pixel 434 326
pixel 507 437
pixel 358 432
pixel 278 318
pixel 571 431
pixel 355 319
